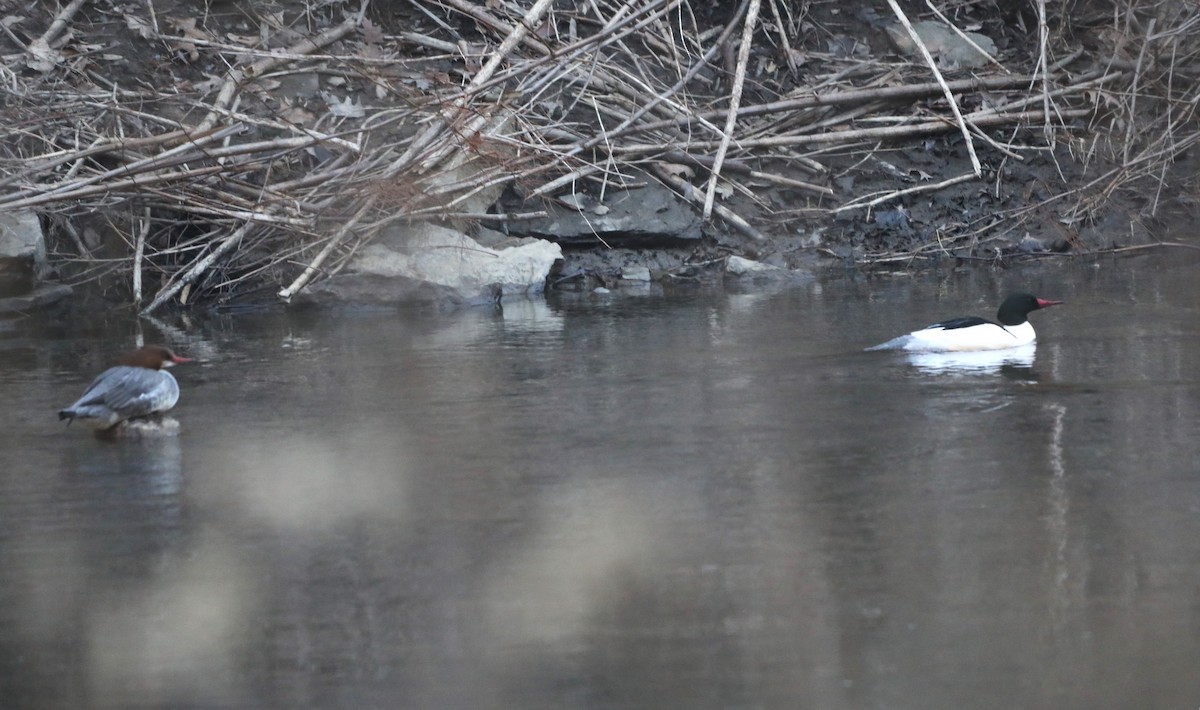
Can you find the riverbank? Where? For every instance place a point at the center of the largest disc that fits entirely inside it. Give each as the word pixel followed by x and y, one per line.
pixel 176 159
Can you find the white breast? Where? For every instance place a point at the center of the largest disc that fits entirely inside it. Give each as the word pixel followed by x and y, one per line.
pixel 986 336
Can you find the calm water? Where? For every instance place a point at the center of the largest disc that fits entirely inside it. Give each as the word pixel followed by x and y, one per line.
pixel 705 501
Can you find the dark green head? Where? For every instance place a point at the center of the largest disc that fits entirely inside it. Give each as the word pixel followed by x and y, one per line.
pixel 1017 306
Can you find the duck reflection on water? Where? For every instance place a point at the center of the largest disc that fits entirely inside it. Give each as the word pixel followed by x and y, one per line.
pixel 1014 362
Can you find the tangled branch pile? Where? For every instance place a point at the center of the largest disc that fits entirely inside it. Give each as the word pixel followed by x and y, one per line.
pixel 260 151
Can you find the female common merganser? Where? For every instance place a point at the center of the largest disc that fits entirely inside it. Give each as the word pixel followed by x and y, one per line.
pixel 137 387
pixel 974 333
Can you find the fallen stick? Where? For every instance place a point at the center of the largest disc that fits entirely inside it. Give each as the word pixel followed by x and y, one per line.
pixel 966 132
pixel 789 182
pixel 50 161
pixel 489 216
pixel 138 250
pixel 235 76
pixel 688 192
pixel 742 168
pixel 984 119
pixel 60 22
pixel 901 193
pixel 169 158
pixel 43 54
pixel 311 270
pixel 784 44
pixel 194 271
pixel 112 188
pixel 1133 92
pixel 735 99
pixel 692 71
pixel 839 98
pixel 450 114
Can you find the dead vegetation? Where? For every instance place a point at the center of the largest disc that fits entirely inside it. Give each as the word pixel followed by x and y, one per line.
pixel 260 148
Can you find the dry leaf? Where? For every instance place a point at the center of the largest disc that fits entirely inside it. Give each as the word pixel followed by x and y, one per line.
pixel 298 116
pixel 346 107
pixel 678 170
pixel 41 57
pixel 370 31
pixel 212 83
pixel 187 28
pixel 140 26
pixel 186 49
pixel 264 86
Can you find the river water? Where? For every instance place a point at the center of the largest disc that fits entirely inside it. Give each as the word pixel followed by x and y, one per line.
pixel 621 501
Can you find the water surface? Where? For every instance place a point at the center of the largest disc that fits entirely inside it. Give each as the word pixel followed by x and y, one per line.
pixel 698 500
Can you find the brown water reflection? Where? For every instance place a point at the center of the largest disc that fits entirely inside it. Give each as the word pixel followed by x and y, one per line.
pixel 704 501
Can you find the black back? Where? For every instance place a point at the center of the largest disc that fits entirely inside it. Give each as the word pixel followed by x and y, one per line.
pixel 964 322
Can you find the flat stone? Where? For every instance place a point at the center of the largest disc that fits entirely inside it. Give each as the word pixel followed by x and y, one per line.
pixel 636 273
pixel 647 216
pixel 947 47
pixel 425 262
pixel 41 296
pixel 741 266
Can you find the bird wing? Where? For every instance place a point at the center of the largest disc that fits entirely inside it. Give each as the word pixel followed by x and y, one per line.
pixel 134 391
pixel 956 323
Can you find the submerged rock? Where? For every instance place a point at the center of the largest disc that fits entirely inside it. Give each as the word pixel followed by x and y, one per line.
pixel 141 428
pixel 41 296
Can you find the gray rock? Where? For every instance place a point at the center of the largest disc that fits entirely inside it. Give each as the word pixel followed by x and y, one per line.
pixel 22 252
pixel 636 273
pixel 947 47
pixel 1032 245
pixel 741 266
pixel 41 296
pixel 646 216
pixel 428 263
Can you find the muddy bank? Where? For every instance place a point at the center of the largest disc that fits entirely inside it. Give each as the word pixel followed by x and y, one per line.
pixel 176 158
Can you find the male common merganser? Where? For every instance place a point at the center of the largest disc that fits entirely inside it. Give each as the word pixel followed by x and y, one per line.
pixel 974 333
pixel 137 387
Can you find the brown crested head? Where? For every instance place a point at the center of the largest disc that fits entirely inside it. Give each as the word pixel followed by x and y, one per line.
pixel 153 357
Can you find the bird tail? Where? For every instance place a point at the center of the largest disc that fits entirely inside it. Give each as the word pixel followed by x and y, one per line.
pixel 66 414
pixel 893 344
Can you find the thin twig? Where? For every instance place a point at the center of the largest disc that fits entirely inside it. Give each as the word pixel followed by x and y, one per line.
pixel 857 205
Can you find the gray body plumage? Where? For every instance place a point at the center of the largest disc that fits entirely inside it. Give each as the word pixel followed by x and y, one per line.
pixel 121 393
